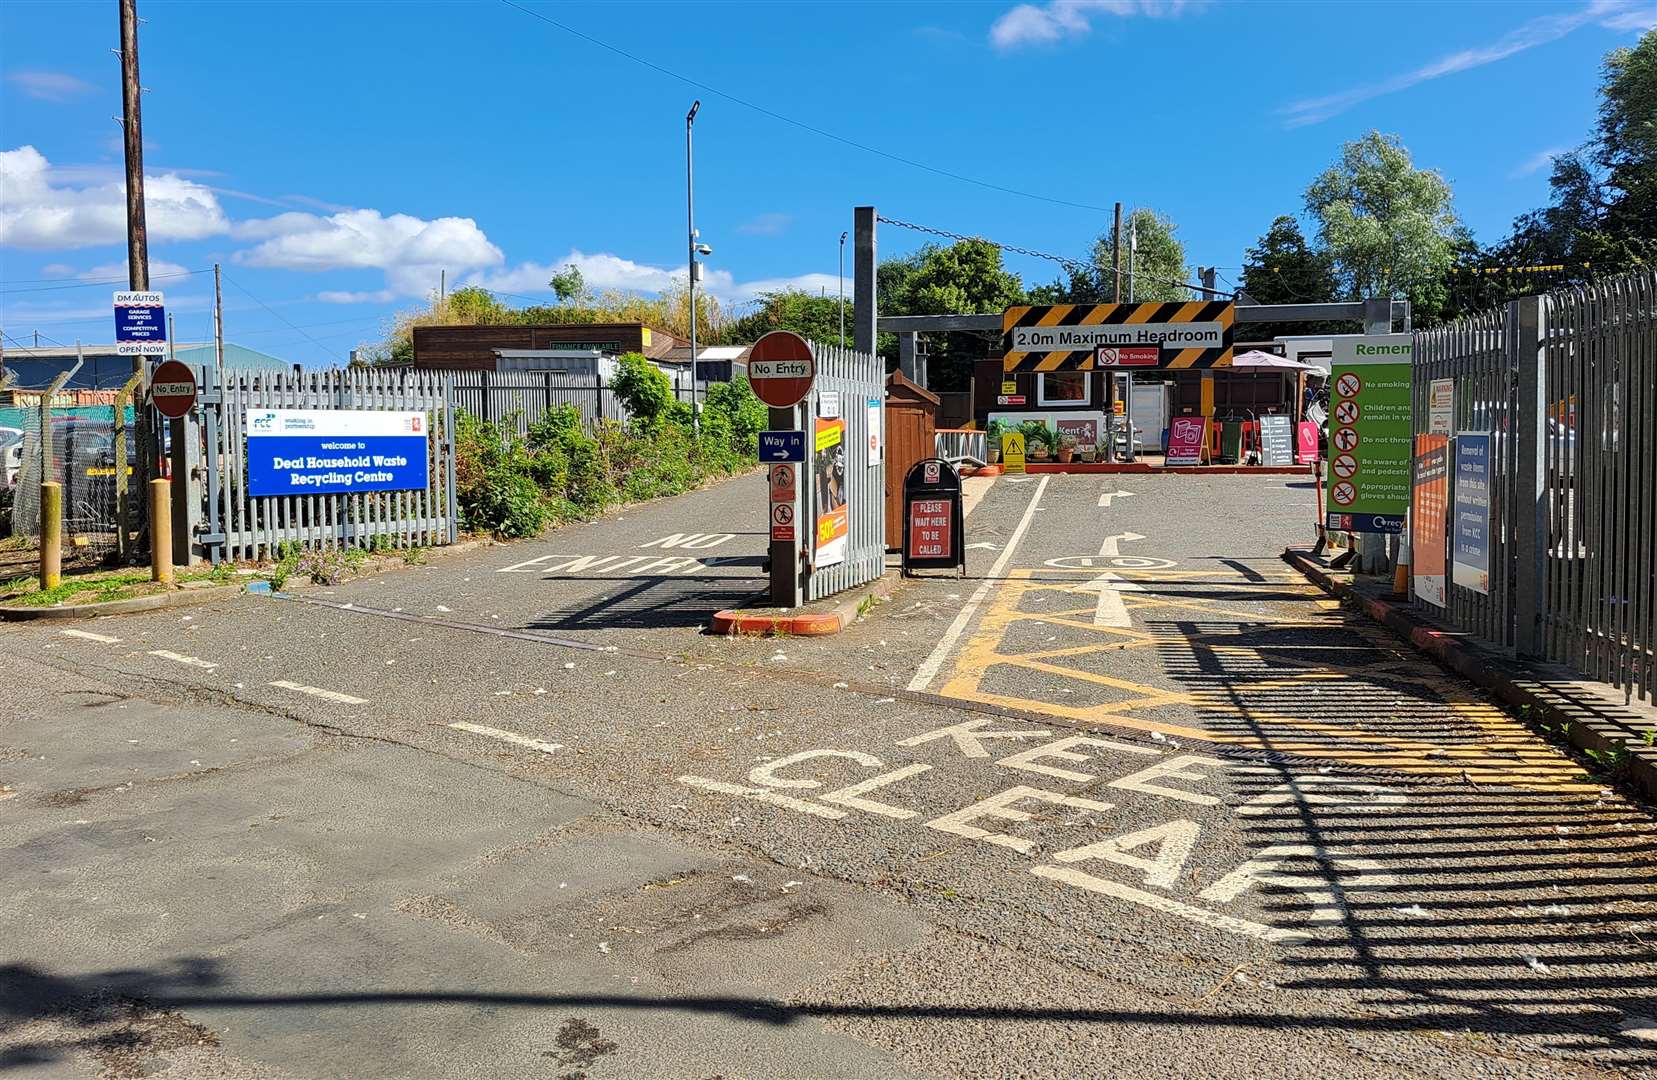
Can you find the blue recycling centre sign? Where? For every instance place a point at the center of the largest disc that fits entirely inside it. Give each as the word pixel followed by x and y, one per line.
pixel 777 446
pixel 336 451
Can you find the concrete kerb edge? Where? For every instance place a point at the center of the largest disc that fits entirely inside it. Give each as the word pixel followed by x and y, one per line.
pixel 1583 731
pixel 179 598
pixel 736 622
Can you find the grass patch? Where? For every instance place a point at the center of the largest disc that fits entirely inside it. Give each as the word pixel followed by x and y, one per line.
pixel 91 589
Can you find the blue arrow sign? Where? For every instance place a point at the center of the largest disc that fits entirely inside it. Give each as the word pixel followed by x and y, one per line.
pixel 781 446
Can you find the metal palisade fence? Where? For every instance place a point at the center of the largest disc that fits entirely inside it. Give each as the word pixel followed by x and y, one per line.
pixel 1565 387
pixel 855 380
pixel 245 527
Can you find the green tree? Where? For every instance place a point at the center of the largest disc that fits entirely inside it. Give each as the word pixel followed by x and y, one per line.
pixel 644 390
pixel 816 318
pixel 1388 226
pixel 964 278
pixel 1158 259
pixel 568 284
pixel 1282 268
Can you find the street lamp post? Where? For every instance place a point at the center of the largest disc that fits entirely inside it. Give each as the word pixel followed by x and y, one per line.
pixel 690 219
pixel 843 290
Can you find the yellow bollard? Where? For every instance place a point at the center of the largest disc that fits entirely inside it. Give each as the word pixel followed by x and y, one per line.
pixel 161 530
pixel 51 534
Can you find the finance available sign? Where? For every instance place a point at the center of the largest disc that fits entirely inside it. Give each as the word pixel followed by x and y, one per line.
pixel 1369 433
pixel 335 451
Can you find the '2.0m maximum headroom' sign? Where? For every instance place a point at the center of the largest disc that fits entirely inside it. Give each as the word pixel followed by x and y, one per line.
pixel 1066 337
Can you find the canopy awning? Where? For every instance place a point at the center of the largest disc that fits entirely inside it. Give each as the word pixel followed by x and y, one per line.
pixel 1254 358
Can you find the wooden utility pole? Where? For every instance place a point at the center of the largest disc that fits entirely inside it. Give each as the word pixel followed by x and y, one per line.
pixel 218 328
pixel 1116 255
pixel 138 256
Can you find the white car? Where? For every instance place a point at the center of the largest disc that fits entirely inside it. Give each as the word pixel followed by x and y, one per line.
pixel 11 455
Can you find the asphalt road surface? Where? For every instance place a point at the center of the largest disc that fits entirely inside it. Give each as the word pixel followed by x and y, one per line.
pixel 1128 799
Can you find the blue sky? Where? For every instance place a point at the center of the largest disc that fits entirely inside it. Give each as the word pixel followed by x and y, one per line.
pixel 335 156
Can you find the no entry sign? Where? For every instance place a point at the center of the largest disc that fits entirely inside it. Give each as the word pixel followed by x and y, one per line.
pixel 781 369
pixel 173 389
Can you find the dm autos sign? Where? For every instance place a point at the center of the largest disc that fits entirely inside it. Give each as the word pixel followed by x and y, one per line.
pixel 335 451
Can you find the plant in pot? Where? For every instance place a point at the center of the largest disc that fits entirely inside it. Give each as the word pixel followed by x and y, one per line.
pixel 1089 452
pixel 1038 440
pixel 992 442
pixel 1067 448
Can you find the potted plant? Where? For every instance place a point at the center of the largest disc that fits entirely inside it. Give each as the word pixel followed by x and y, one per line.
pixel 992 442
pixel 1067 448
pixel 1038 440
pixel 1089 452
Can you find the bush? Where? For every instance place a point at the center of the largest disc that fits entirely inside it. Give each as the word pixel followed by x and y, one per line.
pixel 562 470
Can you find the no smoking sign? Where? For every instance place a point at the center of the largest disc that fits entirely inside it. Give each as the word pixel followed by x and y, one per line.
pixel 1348 385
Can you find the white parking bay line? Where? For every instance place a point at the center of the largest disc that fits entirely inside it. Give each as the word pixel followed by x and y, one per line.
pixel 508 736
pixel 88 635
pixel 319 692
pixel 929 668
pixel 180 658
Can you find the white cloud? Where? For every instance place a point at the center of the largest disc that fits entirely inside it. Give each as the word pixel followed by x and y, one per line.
pixel 1542 159
pixel 341 296
pixel 50 85
pixel 1639 18
pixel 411 251
pixel 770 224
pixel 43 208
pixel 605 271
pixel 1538 31
pixel 112 271
pixel 1031 24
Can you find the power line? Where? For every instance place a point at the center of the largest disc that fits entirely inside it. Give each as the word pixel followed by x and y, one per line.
pixel 95 284
pixel 802 125
pixel 278 315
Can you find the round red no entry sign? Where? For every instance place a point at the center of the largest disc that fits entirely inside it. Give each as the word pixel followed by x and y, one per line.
pixel 173 389
pixel 781 369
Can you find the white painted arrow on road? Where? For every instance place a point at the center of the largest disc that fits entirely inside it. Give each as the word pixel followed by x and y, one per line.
pixel 1106 496
pixel 1110 611
pixel 1108 548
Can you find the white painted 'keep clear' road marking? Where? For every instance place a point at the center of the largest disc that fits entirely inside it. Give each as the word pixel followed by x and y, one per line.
pixel 762 795
pixel 180 658
pixel 508 736
pixel 87 635
pixel 929 668
pixel 319 692
pixel 635 565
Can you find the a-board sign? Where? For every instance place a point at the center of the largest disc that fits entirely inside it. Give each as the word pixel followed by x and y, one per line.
pixel 933 525
pixel 1276 440
pixel 781 446
pixel 1187 440
pixel 1012 451
pixel 140 323
pixel 1370 435
pixel 1306 442
pixel 173 389
pixel 1429 509
pixel 781 368
pixel 1470 562
pixel 1128 356
pixel 335 451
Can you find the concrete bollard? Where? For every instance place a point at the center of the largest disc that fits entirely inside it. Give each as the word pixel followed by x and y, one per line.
pixel 161 531
pixel 51 534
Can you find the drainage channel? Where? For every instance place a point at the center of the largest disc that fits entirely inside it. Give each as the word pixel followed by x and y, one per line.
pixel 1252 755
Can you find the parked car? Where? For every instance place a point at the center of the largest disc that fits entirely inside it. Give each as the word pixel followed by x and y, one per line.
pixel 11 455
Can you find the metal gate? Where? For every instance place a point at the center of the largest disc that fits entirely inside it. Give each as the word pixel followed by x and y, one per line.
pixel 240 526
pixel 857 384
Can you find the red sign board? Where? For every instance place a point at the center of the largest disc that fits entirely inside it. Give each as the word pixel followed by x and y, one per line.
pixel 781 369
pixel 1128 356
pixel 931 528
pixel 173 389
pixel 1186 437
pixel 1306 442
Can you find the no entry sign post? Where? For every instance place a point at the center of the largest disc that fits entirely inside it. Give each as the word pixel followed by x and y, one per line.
pixel 781 369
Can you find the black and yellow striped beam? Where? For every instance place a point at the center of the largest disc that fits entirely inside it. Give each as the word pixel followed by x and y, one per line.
pixel 1056 315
